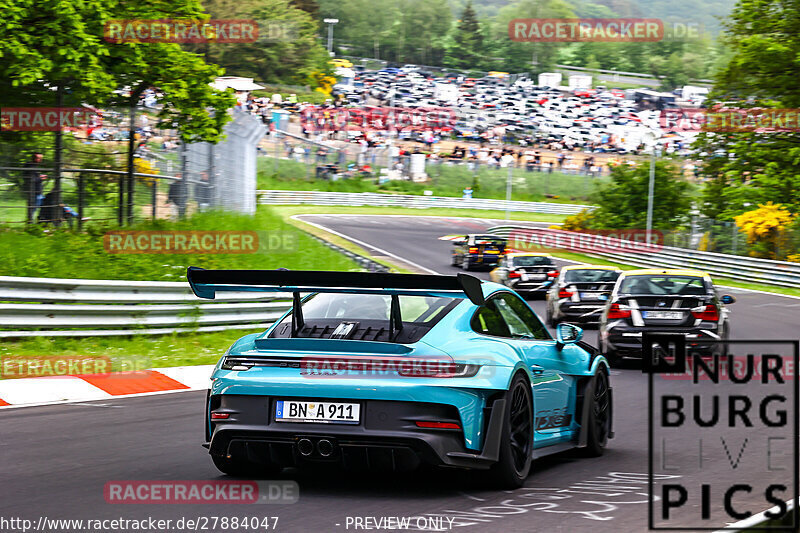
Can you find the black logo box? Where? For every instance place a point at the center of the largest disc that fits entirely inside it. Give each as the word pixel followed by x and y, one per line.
pixel 673 345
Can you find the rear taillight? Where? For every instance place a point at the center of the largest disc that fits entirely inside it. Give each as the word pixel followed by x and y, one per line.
pixel 473 250
pixel 437 425
pixel 709 313
pixel 552 274
pixel 616 311
pixel 564 293
pixel 220 416
pixel 514 274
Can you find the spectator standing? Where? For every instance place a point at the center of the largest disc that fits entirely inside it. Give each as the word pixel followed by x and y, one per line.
pixel 33 185
pixel 203 192
pixel 177 194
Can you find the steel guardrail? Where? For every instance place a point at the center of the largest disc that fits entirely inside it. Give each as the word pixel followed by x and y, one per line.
pixel 751 269
pixel 81 307
pixel 276 197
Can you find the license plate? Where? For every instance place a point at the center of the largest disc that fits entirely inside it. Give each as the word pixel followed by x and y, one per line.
pixel 591 295
pixel 317 412
pixel 666 315
pixel 537 277
pixel 491 252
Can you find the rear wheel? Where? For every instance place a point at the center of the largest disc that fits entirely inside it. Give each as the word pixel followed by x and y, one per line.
pixel 465 264
pixel 516 441
pixel 599 424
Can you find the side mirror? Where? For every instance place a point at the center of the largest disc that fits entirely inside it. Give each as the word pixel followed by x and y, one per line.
pixel 567 334
pixel 727 299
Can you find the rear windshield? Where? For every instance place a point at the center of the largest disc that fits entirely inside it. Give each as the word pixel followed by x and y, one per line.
pixel 420 309
pixel 488 240
pixel 530 260
pixel 679 285
pixel 590 275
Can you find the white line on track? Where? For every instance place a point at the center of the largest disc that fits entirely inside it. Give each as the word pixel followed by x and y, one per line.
pixel 364 244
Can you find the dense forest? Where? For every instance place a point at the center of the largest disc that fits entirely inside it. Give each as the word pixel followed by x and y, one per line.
pixel 463 34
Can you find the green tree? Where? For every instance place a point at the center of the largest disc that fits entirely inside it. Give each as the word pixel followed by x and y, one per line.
pixel 290 53
pixel 762 42
pixel 622 203
pixel 534 57
pixel 465 48
pixel 48 45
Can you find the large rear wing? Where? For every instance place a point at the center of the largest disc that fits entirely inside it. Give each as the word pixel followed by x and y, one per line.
pixel 206 283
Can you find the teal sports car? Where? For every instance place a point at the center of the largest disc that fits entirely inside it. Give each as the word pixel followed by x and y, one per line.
pixel 399 370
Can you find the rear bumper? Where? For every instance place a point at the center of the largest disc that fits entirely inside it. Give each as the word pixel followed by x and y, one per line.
pixel 580 312
pixel 387 436
pixel 627 341
pixel 483 259
pixel 531 287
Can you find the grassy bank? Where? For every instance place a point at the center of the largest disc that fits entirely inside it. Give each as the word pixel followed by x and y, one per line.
pixel 445 180
pixel 136 352
pixel 289 210
pixel 62 253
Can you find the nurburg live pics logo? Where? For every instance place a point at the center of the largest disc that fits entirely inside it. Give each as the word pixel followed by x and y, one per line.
pixel 731 431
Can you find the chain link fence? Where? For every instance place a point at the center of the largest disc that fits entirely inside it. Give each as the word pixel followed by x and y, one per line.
pixel 170 180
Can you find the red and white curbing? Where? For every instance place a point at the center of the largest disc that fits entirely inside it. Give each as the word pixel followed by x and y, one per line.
pixel 59 389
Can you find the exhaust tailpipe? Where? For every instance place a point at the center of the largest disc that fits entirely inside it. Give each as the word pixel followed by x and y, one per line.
pixel 325 447
pixel 305 447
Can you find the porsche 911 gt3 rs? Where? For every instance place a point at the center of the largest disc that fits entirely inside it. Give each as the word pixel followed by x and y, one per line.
pixel 396 370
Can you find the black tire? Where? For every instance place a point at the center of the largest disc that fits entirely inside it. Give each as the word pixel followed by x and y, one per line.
pixel 465 263
pixel 243 468
pixel 516 440
pixel 600 413
pixel 454 260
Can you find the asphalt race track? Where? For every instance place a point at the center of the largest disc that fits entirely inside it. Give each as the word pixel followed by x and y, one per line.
pixel 57 459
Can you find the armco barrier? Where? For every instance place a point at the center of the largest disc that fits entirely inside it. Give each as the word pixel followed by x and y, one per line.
pixel 81 308
pixel 269 197
pixel 781 273
pixel 90 308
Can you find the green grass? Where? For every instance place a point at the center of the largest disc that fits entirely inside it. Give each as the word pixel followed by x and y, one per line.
pixel 303 95
pixel 289 210
pixel 136 352
pixel 62 253
pixel 445 180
